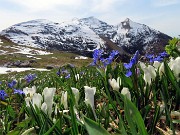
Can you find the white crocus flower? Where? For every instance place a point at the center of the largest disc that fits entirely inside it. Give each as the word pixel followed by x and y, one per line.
pixel 64 100
pixel 149 73
pixel 29 91
pixel 37 99
pixel 89 95
pixel 125 92
pixel 115 84
pixel 174 66
pixel 77 77
pixel 48 94
pixel 76 94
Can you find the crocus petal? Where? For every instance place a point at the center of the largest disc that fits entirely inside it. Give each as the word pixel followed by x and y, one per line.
pixel 77 77
pixel 48 94
pixel 161 69
pixel 44 107
pixel 152 71
pixel 174 66
pixel 125 92
pixel 76 94
pixel 89 95
pixel 27 100
pixel 64 99
pixel 37 99
pixel 142 65
pixel 156 64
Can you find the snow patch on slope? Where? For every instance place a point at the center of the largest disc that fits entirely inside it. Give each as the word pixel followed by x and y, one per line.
pixel 5 70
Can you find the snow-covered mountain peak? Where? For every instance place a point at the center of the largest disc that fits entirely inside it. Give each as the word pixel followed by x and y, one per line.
pixel 95 24
pixel 84 35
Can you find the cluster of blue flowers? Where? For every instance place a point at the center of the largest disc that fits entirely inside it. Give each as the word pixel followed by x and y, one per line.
pixel 30 77
pixel 97 57
pixel 160 57
pixel 132 62
pixel 12 84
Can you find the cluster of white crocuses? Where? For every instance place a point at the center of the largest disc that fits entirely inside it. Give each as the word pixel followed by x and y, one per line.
pixel 151 71
pixel 89 99
pixel 44 101
pixel 115 84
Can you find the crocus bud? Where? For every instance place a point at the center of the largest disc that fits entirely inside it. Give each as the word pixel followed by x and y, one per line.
pixel 149 73
pixel 77 77
pixel 89 95
pixel 64 99
pixel 76 94
pixel 174 66
pixel 115 84
pixel 125 92
pixel 48 94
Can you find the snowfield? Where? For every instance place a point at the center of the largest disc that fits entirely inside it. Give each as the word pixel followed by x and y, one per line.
pixel 5 70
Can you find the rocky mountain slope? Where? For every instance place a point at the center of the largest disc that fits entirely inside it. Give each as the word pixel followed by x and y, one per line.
pixel 85 35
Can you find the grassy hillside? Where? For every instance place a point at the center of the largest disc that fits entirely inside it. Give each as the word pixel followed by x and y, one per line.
pixel 8 53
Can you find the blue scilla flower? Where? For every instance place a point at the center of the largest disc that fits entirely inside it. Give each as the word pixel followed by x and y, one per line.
pixel 128 73
pixel 58 73
pixel 113 53
pixel 149 56
pixel 20 92
pixel 30 77
pixel 128 65
pixel 12 84
pixel 132 62
pixel 109 60
pixel 163 54
pixel 68 76
pixel 106 61
pixel 158 58
pixel 96 56
pixel 3 94
pixel 135 57
pixel 64 71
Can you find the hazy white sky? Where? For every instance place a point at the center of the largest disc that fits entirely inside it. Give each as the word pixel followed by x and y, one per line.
pixel 162 15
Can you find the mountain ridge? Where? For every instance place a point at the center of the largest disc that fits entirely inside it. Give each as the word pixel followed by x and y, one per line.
pixel 85 35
